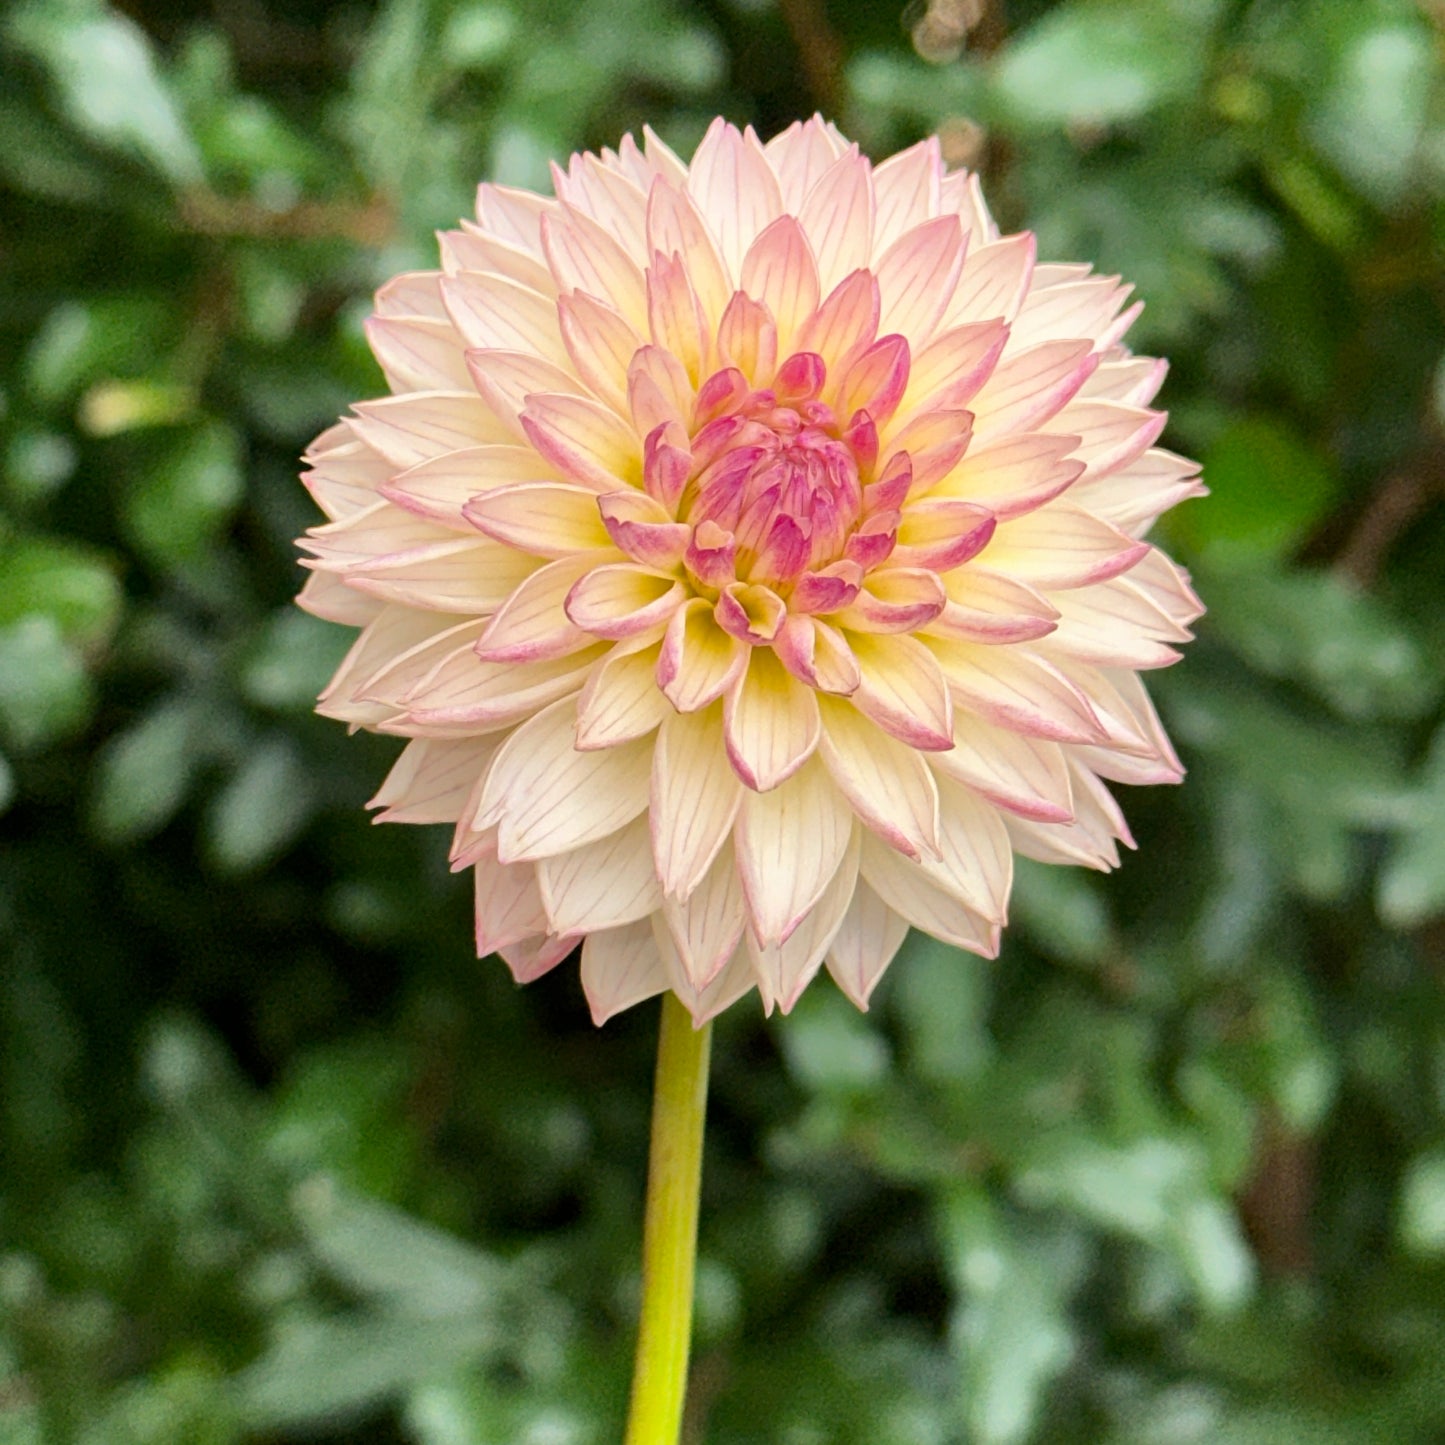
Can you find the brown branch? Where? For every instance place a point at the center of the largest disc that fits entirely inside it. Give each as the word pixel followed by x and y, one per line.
pixel 1394 506
pixel 208 214
pixel 820 52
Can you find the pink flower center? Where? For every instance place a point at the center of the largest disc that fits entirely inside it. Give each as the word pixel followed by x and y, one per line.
pixel 770 479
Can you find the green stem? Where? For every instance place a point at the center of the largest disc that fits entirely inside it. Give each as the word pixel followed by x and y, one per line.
pixel 669 1241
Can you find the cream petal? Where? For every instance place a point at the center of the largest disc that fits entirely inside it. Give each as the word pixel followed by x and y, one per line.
pixel 621 600
pixel 584 440
pixel 1060 546
pixel 659 392
pixel 694 800
pixel 866 942
pixel 887 783
pixel 621 967
pixel 1134 380
pixel 947 372
pixel 409 429
pixel 799 156
pixel 903 690
pixel 699 662
pixel 603 884
pixel 438 489
pixel 770 722
pixel 1109 433
pixel 531 624
pixel 985 606
pixel 472 249
pixel 1135 495
pixel 465 575
pixel 974 862
pixel 506 379
pixel 601 344
pixel 675 317
pixel 384 644
pixel 418 354
pixel 621 700
pixel 993 281
pixel 1028 387
pixel 496 313
pixel 508 905
pixel 837 217
pixel 779 271
pixel 465 695
pixel 414 294
pixel 917 275
pixel 907 191
pixel 962 192
pixel 1018 690
pixel 548 519
pixel 734 188
pixel 530 958
pixel 707 926
pixel 432 779
pixel 918 900
pixel 1090 841
pixel 675 229
pixel 1085 306
pixel 1014 474
pixel 845 324
pixel 327 596
pixel 790 843
pixel 584 257
pixel 547 797
pixel 730 983
pixel 786 968
pixel 513 215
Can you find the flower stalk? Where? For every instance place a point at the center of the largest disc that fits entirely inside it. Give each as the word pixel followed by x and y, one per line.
pixel 669 1247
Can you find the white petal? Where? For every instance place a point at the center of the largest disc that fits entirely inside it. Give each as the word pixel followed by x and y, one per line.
pixel 548 798
pixel 887 782
pixel 603 884
pixel 621 967
pixel 865 944
pixel 695 798
pixel 785 969
pixel 790 843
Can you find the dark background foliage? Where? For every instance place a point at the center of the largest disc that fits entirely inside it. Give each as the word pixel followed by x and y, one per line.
pixel 283 1162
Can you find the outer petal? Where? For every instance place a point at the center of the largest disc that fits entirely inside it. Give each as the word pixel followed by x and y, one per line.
pixel 707 926
pixel 695 798
pixel 603 884
pixel 785 969
pixel 548 798
pixel 869 936
pixel 790 842
pixel 888 783
pixel 621 967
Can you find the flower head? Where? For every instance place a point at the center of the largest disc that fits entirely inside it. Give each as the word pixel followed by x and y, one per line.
pixel 752 552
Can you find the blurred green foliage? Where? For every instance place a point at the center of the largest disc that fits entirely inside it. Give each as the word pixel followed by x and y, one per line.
pixel 282 1160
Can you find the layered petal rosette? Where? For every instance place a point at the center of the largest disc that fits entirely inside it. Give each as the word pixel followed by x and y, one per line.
pixel 753 552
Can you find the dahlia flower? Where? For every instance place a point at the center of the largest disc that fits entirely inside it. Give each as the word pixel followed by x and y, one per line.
pixel 753 552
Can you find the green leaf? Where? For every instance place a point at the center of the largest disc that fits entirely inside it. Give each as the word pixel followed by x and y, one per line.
pixel 1412 882
pixel 830 1046
pixel 1268 488
pixel 102 65
pixel 143 774
pixel 177 507
pixel 1096 64
pixel 1422 1205
pixel 45 695
pixel 1368 114
pixel 82 342
pixel 261 810
pixel 1010 1328
pixel 293 657
pixel 1312 627
pixel 68 583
